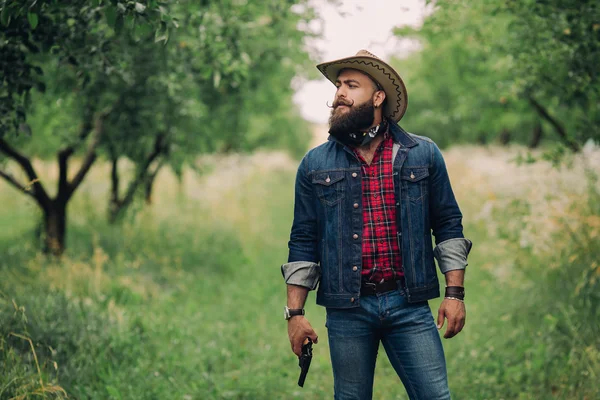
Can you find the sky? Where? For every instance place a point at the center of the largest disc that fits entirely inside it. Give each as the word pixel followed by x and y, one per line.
pixel 348 27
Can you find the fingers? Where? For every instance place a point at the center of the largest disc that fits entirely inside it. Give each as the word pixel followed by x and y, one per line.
pixel 298 330
pixel 455 313
pixel 440 318
pixel 450 328
pixel 297 348
pixel 301 340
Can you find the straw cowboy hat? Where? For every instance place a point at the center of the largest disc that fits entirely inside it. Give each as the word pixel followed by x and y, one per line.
pixel 387 78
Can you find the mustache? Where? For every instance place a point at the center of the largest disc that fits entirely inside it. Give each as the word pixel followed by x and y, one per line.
pixel 339 102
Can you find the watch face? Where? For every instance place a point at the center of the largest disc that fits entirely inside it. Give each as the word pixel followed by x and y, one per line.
pixel 286 313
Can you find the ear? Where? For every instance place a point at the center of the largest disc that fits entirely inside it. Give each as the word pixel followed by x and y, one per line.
pixel 378 98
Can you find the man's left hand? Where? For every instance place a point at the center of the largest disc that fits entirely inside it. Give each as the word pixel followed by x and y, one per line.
pixel 454 311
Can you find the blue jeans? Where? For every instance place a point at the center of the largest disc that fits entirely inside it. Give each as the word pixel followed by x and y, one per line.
pixel 410 339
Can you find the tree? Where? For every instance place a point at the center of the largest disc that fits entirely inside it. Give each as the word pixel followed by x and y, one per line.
pixel 141 82
pixel 556 49
pixel 78 41
pixel 491 71
pixel 225 89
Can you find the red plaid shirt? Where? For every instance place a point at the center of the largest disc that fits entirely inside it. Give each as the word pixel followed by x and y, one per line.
pixel 381 257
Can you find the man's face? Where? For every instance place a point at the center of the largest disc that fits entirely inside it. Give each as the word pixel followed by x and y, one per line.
pixel 353 108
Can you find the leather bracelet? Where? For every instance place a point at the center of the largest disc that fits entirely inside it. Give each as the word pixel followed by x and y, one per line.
pixel 455 291
pixel 454 298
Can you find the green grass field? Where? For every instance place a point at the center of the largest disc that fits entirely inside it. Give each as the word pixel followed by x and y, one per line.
pixel 184 299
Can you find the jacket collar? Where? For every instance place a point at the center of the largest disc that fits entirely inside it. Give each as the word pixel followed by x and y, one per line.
pixel 401 136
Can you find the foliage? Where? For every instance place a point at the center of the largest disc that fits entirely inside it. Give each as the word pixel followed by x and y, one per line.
pixel 492 71
pixel 155 83
pixel 35 30
pixel 555 46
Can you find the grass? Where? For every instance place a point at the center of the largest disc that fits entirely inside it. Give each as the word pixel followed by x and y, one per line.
pixel 184 300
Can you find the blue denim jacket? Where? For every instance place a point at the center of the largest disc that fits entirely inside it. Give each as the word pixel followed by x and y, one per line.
pixel 325 246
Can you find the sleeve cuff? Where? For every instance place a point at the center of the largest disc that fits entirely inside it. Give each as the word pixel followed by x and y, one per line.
pixel 452 254
pixel 302 273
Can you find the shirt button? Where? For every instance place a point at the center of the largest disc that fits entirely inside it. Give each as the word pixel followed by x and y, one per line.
pixel 375 195
pixel 355 205
pixel 355 236
pixel 352 300
pixel 355 268
pixel 354 174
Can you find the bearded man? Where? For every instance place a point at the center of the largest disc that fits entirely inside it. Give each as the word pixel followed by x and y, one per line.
pixel 366 205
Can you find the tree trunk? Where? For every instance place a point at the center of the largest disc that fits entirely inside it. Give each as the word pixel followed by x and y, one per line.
pixel 481 139
pixel 149 183
pixel 536 135
pixel 55 210
pixel 55 223
pixel 504 137
pixel 148 189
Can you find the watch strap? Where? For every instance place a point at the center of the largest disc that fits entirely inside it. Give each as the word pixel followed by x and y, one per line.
pixel 292 312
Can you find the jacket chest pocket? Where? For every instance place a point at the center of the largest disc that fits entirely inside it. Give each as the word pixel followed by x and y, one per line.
pixel 329 186
pixel 415 183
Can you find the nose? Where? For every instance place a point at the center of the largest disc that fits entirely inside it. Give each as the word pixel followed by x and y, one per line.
pixel 341 92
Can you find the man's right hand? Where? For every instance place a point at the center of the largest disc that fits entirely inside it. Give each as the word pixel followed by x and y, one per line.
pixel 299 329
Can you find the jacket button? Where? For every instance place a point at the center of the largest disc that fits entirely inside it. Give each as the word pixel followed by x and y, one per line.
pixel 352 300
pixel 355 205
pixel 355 236
pixel 354 174
pixel 355 268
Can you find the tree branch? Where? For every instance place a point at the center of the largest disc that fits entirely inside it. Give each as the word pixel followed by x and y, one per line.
pixel 142 173
pixel 150 179
pixel 65 153
pixel 114 180
pixel 90 155
pixel 141 176
pixel 63 167
pixel 11 179
pixel 560 130
pixel 39 193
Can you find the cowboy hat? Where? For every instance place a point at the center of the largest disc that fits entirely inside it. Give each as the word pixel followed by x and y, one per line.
pixel 380 72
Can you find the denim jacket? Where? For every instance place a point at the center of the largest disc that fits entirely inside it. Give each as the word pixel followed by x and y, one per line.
pixel 325 246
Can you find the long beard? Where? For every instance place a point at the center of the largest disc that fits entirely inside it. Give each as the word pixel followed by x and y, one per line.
pixel 347 127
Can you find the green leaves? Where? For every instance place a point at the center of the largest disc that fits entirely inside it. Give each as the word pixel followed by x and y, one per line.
pixel 481 60
pixel 33 19
pixel 110 13
pixel 5 15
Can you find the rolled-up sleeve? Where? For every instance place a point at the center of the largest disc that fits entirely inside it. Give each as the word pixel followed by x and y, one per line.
pixel 303 267
pixel 452 254
pixel 302 273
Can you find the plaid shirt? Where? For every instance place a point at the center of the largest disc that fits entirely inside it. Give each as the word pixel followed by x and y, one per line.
pixel 381 257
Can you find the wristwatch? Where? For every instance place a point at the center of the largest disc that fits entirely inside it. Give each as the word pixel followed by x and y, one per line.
pixel 292 312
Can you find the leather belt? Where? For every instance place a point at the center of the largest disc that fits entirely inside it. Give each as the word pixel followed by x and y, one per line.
pixel 371 288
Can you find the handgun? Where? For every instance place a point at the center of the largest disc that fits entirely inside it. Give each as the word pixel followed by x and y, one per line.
pixel 304 360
